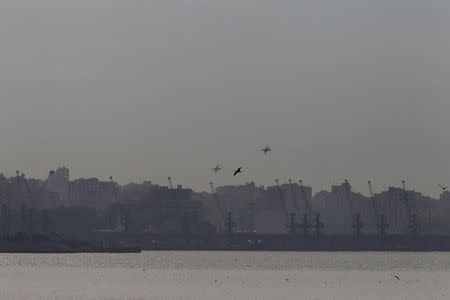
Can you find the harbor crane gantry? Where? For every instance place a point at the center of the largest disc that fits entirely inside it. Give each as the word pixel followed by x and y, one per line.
pixel 294 196
pixel 230 226
pixel 414 225
pixel 380 219
pixel 382 225
pixel 413 222
pixel 357 224
pixel 292 225
pixel 372 199
pixel 318 225
pixel 216 199
pixel 4 211
pixel 115 188
pixel 305 198
pixel 305 225
pixel 26 210
pixel 5 214
pixel 282 202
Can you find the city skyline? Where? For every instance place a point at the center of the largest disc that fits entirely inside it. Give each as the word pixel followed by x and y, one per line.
pixel 376 189
pixel 234 149
pixel 156 89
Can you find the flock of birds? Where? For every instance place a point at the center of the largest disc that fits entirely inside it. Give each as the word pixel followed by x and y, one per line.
pixel 217 168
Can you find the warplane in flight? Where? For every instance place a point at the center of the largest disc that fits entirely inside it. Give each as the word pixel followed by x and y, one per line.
pixel 217 168
pixel 265 150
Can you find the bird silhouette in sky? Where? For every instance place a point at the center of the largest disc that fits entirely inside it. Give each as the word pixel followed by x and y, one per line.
pixel 444 188
pixel 239 170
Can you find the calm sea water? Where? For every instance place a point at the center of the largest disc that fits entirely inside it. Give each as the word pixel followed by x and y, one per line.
pixel 226 275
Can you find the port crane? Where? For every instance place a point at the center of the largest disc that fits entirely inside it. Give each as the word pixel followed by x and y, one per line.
pixel 305 198
pixel 292 225
pixel 282 202
pixel 305 225
pixel 230 225
pixel 170 182
pixel 26 213
pixel 216 199
pixel 357 224
pixel 413 222
pixel 252 209
pixel 187 226
pixel 372 199
pixel 318 225
pixel 5 218
pixel 114 186
pixel 45 221
pixel 294 196
pixel 380 220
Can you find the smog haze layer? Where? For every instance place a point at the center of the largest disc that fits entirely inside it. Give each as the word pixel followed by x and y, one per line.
pixel 142 90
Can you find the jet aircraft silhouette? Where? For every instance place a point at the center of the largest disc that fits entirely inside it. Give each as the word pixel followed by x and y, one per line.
pixel 217 168
pixel 265 150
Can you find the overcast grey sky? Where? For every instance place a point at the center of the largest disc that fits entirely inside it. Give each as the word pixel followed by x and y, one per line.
pixel 146 89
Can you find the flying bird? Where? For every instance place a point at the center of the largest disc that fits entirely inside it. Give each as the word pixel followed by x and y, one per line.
pixel 396 276
pixel 239 170
pixel 444 188
pixel 265 150
pixel 217 168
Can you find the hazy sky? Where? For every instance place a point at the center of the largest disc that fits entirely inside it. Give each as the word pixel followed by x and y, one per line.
pixel 146 89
